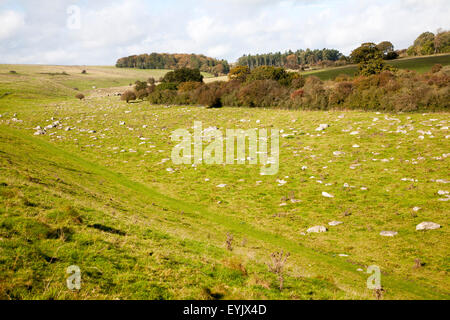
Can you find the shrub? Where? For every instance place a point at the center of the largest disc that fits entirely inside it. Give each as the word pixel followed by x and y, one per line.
pixel 151 80
pixel 391 55
pixel 189 86
pixel 183 75
pixel 261 93
pixel 341 92
pixel 128 96
pixel 80 96
pixel 267 73
pixel 315 96
pixel 298 82
pixel 297 94
pixel 209 95
pixel 436 68
pixel 166 86
pixel 142 94
pixel 373 66
pixel 239 73
pixel 13 72
pixel 162 97
pixel 150 89
pixel 84 72
pixel 140 86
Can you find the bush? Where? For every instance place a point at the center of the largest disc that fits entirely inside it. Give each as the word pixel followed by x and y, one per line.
pixel 80 96
pixel 268 73
pixel 128 96
pixel 298 82
pixel 436 68
pixel 167 86
pixel 142 94
pixel 210 95
pixel 373 66
pixel 140 86
pixel 84 72
pixel 162 97
pixel 189 86
pixel 340 93
pixel 13 72
pixel 391 55
pixel 315 95
pixel 261 93
pixel 183 75
pixel 151 80
pixel 239 73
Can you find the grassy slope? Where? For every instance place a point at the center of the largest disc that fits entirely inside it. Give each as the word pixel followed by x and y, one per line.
pixel 41 80
pixel 53 198
pixel 419 64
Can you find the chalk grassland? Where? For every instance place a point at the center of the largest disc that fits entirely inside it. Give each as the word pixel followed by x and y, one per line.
pixel 106 197
pixel 418 64
pixel 61 81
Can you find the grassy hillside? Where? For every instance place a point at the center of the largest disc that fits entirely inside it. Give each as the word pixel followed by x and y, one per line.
pixel 34 81
pixel 418 64
pixel 106 197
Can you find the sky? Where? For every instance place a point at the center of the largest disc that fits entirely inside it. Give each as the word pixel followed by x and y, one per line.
pixel 81 32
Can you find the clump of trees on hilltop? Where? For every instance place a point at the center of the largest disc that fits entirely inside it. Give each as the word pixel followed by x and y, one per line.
pixel 369 57
pixel 294 60
pixel 429 43
pixel 175 61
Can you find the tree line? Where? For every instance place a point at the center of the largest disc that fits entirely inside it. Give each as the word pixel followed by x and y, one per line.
pixel 175 61
pixel 292 60
pixel 429 43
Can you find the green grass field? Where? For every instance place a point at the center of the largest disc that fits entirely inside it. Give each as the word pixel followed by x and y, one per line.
pixel 418 64
pixel 106 197
pixel 32 81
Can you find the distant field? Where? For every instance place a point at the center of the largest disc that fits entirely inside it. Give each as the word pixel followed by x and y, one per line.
pixel 419 64
pixel 33 81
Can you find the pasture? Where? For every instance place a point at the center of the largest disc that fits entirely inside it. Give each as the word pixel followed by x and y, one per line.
pixel 98 190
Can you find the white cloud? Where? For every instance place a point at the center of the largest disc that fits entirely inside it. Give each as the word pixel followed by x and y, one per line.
pixel 11 23
pixel 36 32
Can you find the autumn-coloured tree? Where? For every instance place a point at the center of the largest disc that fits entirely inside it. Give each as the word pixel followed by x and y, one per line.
pixel 239 73
pixel 366 52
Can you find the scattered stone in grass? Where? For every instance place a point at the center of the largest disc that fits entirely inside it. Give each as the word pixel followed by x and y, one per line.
pixel 317 229
pixel 327 195
pixel 427 226
pixel 388 233
pixel 322 127
pixel 40 133
pixel 335 223
pixel 221 185
pixel 416 209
